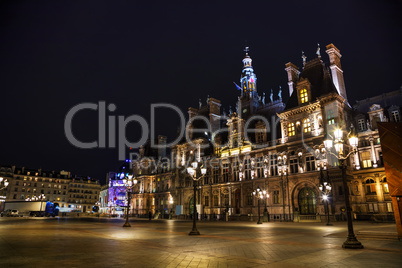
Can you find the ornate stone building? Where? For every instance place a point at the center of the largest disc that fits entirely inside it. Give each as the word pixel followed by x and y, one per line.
pixel 275 146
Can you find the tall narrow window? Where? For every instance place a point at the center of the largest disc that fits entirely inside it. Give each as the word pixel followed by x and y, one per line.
pixel 306 125
pixel 330 117
pixel 385 185
pixel 276 197
pixel 303 96
pixel 361 125
pixel 291 129
pixel 366 159
pixel 310 163
pixel 370 186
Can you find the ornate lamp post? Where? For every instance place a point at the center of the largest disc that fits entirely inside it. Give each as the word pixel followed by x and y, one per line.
pixel 325 188
pixel 351 241
pixel 196 172
pixel 266 213
pixel 260 194
pixel 282 168
pixel 129 182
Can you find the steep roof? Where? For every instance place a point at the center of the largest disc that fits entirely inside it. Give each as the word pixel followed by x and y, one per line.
pixel 320 79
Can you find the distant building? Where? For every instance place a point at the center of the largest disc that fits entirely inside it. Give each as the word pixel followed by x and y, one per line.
pixel 70 193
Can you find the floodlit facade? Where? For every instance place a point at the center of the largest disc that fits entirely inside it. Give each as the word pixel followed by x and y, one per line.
pixel 282 152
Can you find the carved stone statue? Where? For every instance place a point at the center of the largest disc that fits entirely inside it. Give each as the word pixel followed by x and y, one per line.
pixel 280 93
pixel 368 125
pixel 318 51
pixel 199 104
pixel 272 95
pixel 263 98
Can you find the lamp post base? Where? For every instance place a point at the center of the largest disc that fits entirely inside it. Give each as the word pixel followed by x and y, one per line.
pixel 329 224
pixel 265 217
pixel 352 242
pixel 127 224
pixel 194 232
pixel 259 221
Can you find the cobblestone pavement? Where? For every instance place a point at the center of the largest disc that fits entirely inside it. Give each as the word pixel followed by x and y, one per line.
pixel 103 242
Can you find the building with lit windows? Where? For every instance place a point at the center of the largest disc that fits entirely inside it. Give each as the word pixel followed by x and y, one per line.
pixel 284 153
pixel 70 193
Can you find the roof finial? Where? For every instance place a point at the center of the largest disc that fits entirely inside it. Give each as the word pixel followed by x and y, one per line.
pixel 246 49
pixel 318 51
pixel 304 58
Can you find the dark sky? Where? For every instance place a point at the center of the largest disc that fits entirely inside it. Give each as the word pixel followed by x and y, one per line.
pixel 57 54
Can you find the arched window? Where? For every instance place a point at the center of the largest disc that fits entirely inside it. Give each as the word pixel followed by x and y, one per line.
pixel 306 125
pixel 370 186
pixel 291 129
pixel 303 96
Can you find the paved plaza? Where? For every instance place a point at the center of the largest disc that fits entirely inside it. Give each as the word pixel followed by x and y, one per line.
pixel 103 242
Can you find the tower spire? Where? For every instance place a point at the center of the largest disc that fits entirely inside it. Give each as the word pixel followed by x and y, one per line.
pixel 248 80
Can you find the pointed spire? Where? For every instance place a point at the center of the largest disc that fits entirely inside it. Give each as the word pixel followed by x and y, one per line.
pixel 318 51
pixel 304 58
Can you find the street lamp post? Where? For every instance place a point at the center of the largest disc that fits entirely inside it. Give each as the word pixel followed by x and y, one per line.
pixel 129 182
pixel 325 188
pixel 261 194
pixel 283 171
pixel 351 241
pixel 266 213
pixel 196 172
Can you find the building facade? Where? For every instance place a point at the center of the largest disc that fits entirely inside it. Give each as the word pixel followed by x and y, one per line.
pixel 278 147
pixel 70 193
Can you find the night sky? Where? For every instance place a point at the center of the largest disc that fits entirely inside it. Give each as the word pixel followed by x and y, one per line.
pixel 57 54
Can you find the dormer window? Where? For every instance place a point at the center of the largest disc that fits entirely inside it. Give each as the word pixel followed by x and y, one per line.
pixel 330 117
pixel 303 96
pixel 291 129
pixel 306 125
pixel 361 124
pixel 395 116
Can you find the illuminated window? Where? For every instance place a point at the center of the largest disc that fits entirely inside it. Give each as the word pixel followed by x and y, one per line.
pixel 291 129
pixel 276 197
pixel 385 185
pixel 303 96
pixel 370 186
pixel 366 159
pixel 330 117
pixel 306 125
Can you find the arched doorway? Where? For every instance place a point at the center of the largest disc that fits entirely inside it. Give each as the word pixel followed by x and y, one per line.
pixel 307 201
pixel 191 205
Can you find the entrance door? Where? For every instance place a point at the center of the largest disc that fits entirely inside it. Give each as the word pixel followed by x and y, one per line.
pixel 307 201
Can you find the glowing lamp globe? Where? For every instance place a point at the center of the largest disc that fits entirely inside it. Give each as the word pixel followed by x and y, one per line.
pixel 353 141
pixel 195 165
pixel 338 134
pixel 328 144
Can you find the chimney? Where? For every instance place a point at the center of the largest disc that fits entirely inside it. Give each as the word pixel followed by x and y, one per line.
pixel 336 69
pixel 214 114
pixel 293 75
